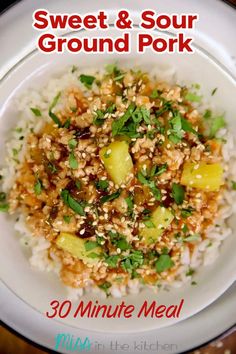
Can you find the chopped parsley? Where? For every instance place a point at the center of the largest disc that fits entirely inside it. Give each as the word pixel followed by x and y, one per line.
pixel 87 80
pixel 36 112
pixel 163 263
pixel 73 204
pixel 178 193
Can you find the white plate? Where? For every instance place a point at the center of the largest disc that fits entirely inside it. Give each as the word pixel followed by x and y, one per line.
pixel 24 46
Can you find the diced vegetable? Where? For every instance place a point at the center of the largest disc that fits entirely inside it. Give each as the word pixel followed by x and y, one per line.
pixel 117 161
pixel 77 248
pixel 160 219
pixel 204 176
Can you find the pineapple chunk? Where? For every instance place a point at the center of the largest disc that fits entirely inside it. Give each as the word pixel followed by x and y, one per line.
pixel 160 219
pixel 117 161
pixel 201 175
pixel 76 247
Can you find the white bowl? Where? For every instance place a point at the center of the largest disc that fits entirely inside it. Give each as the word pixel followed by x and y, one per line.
pixel 39 289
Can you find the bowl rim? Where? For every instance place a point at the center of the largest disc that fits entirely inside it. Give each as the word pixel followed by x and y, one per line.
pixel 230 77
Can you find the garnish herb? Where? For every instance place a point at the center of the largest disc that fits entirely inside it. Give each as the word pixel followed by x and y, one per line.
pixel 112 261
pixel 105 286
pixel 190 272
pixel 72 143
pixel 4 207
pixel 186 212
pixel 214 91
pixel 2 196
pixel 78 184
pixel 116 72
pixel 192 238
pixel 51 114
pixel 99 118
pixel 51 167
pixel 149 224
pixel 158 170
pixel 207 114
pixel 74 68
pixel 38 186
pixel 217 123
pixel 72 161
pixel 119 241
pixel 76 206
pixel 151 184
pixel 192 97
pixel 178 193
pixel 67 218
pixel 36 112
pixel 132 261
pixel 90 245
pixel 233 185
pixel 130 204
pixel 118 124
pixel 87 80
pixel 176 133
pixel 163 263
pixel 110 197
pixel 102 185
pixel 67 124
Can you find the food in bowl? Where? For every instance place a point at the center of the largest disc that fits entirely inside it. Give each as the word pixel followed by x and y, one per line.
pixel 119 180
